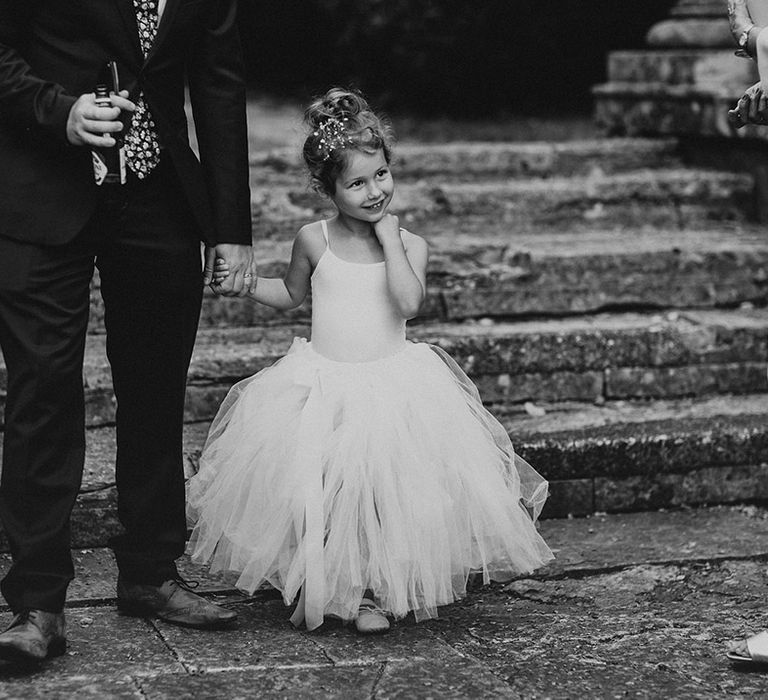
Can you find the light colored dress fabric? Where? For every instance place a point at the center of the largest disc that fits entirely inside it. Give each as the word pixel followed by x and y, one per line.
pixel 361 460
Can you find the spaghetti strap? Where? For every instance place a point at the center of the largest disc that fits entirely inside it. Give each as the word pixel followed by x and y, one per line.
pixel 324 226
pixel 402 238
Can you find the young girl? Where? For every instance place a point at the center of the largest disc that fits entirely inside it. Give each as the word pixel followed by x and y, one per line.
pixel 361 469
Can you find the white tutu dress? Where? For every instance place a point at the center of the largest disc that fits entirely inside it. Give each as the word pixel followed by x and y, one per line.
pixel 358 461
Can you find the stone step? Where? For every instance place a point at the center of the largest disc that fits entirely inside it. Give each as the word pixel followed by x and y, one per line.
pixel 484 160
pixel 676 197
pixel 697 8
pixel 588 358
pixel 479 269
pixel 616 457
pixel 655 109
pixel 706 68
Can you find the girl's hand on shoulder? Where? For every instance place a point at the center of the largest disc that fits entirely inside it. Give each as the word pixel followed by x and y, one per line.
pixel 387 228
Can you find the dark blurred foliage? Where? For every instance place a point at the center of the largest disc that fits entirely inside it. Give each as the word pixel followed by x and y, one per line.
pixel 465 58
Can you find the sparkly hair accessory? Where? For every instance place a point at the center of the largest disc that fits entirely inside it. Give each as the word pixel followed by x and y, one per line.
pixel 333 136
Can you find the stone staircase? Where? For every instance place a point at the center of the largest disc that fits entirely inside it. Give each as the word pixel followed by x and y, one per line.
pixel 608 299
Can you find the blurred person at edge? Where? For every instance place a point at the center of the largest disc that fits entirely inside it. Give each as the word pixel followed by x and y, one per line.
pixel 748 19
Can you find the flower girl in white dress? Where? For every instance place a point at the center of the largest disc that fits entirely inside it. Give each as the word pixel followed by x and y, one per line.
pixel 361 471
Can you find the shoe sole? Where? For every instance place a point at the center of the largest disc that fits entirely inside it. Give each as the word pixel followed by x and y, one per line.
pixel 15 655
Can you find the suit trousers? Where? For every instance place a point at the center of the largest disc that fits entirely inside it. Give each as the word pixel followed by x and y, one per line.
pixel 145 244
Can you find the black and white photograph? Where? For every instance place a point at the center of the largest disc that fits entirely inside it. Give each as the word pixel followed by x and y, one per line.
pixel 377 349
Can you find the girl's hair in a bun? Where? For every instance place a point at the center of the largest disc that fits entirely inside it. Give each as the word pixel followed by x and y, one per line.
pixel 339 120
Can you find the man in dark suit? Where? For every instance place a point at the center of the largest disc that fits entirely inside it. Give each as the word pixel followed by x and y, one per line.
pixel 144 237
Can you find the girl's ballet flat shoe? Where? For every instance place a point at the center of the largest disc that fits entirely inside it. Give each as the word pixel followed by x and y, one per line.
pixel 757 651
pixel 371 619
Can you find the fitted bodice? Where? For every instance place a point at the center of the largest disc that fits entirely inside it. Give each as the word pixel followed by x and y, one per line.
pixel 353 316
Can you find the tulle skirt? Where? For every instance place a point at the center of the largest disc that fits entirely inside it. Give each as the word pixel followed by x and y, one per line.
pixel 331 478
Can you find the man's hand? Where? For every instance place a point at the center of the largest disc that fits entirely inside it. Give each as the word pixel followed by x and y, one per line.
pixel 238 259
pixel 752 108
pixel 92 125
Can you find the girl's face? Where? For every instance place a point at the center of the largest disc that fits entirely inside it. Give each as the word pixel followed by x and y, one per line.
pixel 364 188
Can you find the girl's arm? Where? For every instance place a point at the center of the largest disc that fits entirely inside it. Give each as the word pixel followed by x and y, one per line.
pixel 285 292
pixel 406 272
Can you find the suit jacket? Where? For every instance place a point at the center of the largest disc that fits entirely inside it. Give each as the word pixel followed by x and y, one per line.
pixel 52 51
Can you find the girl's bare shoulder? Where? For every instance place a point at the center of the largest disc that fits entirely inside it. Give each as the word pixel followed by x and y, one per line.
pixel 310 241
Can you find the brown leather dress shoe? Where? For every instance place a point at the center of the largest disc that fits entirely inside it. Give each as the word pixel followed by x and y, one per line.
pixel 34 635
pixel 174 602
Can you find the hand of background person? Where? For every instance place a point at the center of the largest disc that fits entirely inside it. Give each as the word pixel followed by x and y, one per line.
pixel 239 262
pixel 91 125
pixel 752 107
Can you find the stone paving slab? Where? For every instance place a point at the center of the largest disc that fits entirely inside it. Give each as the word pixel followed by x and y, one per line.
pixel 309 683
pixel 635 606
pixel 646 632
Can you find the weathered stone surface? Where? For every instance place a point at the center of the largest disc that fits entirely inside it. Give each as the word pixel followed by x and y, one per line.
pixel 26 686
pixel 698 8
pixel 453 161
pixel 262 636
pixel 702 486
pixel 94 517
pixel 666 589
pixel 293 682
pixel 603 342
pixel 636 382
pixel 493 271
pixel 702 68
pixel 704 32
pixel 102 644
pixel 653 109
pixel 655 447
pixel 571 497
pixel 578 497
pixel 574 638
pixel 583 358
pixel 407 641
pixel 557 386
pixel 96 578
pixel 649 196
pixel 463 678
pixel 719 196
pixel 607 541
pixel 602 541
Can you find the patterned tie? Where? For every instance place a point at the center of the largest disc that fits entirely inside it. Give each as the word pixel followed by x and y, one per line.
pixel 142 149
